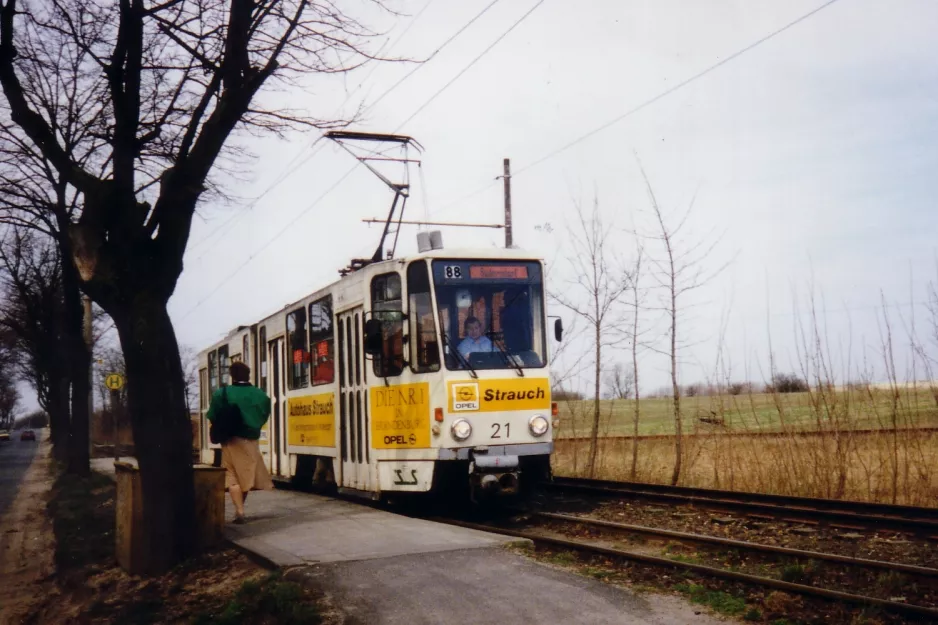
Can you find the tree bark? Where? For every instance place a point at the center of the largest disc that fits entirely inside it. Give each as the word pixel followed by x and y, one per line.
pixel 637 392
pixel 79 361
pixel 161 429
pixel 594 435
pixel 58 415
pixel 678 433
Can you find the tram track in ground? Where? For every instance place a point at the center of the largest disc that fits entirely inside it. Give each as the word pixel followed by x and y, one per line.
pixel 658 548
pixel 839 581
pixel 850 515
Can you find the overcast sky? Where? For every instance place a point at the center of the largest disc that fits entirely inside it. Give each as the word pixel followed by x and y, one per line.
pixel 812 157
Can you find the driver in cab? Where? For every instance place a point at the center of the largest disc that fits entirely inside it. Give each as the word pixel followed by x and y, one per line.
pixel 475 341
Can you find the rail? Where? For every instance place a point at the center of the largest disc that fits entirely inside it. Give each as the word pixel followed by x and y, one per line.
pixel 768 582
pixel 851 513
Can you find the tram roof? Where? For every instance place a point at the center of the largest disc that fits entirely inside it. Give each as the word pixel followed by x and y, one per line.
pixel 482 253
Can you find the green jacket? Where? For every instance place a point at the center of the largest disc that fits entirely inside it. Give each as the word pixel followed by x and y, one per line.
pixel 253 403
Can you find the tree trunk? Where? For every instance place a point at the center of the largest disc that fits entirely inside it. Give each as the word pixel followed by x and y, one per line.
pixel 79 364
pixel 161 429
pixel 678 447
pixel 637 399
pixel 58 416
pixel 594 435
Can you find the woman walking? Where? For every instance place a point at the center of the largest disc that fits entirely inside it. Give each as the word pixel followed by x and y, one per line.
pixel 240 453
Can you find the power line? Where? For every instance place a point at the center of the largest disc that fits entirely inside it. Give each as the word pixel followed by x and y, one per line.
pixel 348 173
pixel 678 86
pixel 266 245
pixel 290 168
pixel 374 67
pixel 435 52
pixel 467 67
pixel 240 214
pixel 645 104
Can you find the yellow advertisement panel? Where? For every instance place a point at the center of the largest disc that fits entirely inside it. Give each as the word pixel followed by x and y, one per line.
pixel 311 420
pixel 400 416
pixel 499 395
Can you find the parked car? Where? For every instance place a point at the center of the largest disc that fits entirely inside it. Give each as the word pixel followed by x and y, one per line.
pixel 28 435
pixel 4 436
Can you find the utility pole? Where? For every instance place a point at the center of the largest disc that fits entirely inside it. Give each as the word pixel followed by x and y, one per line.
pixel 86 301
pixel 507 179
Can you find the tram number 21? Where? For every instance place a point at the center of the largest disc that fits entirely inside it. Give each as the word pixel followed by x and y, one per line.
pixel 497 427
pixel 453 271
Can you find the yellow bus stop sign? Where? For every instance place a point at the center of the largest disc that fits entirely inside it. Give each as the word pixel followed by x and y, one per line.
pixel 114 381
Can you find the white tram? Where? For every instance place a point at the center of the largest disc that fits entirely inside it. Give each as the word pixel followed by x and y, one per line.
pixel 376 388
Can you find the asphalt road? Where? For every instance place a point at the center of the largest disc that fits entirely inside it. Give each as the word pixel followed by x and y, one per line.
pixel 15 458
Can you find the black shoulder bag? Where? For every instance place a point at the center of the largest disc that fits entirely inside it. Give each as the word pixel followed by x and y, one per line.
pixel 226 422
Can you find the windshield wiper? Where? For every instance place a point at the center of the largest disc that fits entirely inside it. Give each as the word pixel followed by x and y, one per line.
pixel 462 359
pixel 509 360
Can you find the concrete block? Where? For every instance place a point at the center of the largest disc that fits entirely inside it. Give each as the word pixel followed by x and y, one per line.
pixel 131 548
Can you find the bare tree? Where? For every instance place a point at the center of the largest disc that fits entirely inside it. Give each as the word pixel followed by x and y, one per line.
pixel 111 360
pixel 9 395
pixel 33 198
pixel 637 304
pixel 190 370
pixel 132 106
pixel 620 382
pixel 32 309
pixel 9 400
pixel 600 278
pixel 680 270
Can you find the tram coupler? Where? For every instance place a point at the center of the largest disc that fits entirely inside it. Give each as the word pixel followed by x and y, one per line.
pixel 493 476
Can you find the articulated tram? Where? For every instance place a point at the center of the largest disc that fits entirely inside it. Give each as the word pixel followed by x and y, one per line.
pixel 411 375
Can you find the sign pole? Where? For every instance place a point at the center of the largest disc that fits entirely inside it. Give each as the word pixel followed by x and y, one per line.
pixel 114 383
pixel 115 420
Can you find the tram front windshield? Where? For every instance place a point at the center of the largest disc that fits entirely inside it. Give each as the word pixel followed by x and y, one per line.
pixel 491 313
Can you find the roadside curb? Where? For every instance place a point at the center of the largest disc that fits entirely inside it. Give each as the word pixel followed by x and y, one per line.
pixel 268 557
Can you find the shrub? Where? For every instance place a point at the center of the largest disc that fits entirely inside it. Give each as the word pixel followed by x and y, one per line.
pixel 786 383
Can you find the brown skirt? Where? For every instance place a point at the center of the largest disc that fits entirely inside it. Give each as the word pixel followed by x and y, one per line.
pixel 244 465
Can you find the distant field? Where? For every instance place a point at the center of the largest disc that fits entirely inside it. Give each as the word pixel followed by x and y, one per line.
pixel 867 444
pixel 866 409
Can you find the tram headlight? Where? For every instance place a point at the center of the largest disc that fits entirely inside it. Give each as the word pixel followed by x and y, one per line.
pixel 461 429
pixel 538 425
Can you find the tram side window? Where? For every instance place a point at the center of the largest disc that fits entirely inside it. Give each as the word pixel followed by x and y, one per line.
pixel 223 365
pixel 387 307
pixel 212 373
pixel 262 351
pixel 321 341
pixel 299 356
pixel 203 388
pixel 424 349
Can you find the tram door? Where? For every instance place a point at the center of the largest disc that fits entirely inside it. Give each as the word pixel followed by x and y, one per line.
pixel 354 427
pixel 275 381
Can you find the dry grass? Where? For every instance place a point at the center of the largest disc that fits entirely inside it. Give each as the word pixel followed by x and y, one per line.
pixel 859 466
pixel 864 443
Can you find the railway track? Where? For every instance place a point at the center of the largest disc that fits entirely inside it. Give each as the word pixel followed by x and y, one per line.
pixel 836 513
pixel 554 522
pixel 593 547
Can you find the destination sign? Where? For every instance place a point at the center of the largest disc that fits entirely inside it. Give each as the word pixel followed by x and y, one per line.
pixel 498 272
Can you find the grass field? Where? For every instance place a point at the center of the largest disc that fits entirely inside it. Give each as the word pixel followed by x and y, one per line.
pixel 864 444
pixel 867 408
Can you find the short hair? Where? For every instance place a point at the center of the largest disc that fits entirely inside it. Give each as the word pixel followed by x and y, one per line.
pixel 471 320
pixel 240 372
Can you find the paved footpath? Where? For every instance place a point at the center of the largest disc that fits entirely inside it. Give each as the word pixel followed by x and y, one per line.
pixel 380 568
pixel 26 537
